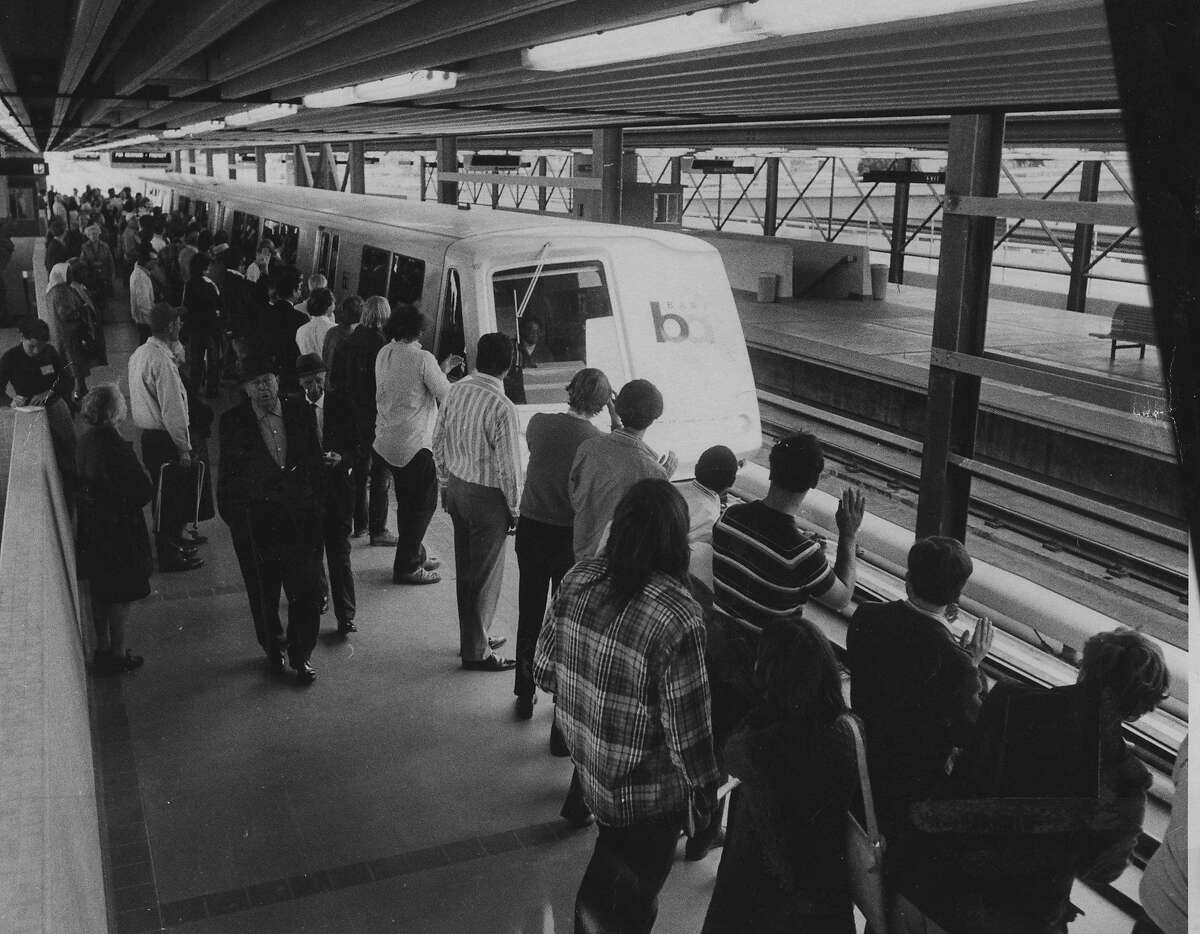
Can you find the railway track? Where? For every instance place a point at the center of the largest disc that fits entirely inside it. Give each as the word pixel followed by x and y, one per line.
pixel 896 461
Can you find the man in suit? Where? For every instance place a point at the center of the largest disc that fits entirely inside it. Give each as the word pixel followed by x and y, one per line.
pixel 270 491
pixel 339 441
pixel 916 686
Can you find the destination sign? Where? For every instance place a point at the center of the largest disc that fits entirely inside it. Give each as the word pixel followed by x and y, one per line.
pixel 896 175
pixel 718 167
pixel 125 157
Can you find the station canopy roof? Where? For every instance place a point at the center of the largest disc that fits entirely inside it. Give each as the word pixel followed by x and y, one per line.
pixel 147 74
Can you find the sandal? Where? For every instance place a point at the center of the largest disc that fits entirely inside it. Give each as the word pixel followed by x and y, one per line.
pixel 419 576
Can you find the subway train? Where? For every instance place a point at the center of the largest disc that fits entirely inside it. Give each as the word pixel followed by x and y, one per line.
pixel 632 301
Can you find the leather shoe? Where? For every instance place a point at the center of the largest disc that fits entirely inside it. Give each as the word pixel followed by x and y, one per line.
pixel 344 629
pixel 431 563
pixel 192 537
pixel 387 539
pixel 305 673
pixel 179 562
pixel 491 663
pixel 275 663
pixel 419 576
pixel 525 706
pixel 579 819
pixel 358 533
pixel 494 644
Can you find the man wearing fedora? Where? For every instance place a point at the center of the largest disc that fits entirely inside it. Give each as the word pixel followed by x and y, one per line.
pixel 271 492
pixel 334 416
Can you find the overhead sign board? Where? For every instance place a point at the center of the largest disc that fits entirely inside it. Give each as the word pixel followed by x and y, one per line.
pixel 488 160
pixel 22 167
pixel 717 167
pixel 86 157
pixel 126 157
pixel 892 176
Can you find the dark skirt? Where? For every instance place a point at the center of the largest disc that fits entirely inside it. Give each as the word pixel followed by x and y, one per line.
pixel 114 554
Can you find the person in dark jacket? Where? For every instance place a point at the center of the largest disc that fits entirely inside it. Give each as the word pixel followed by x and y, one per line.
pixel 114 545
pixel 915 685
pixel 784 864
pixel 270 491
pixel 353 372
pixel 203 321
pixel 279 325
pixel 334 417
pixel 1012 872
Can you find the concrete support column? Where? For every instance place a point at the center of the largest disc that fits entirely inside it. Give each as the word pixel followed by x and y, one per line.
pixel 899 224
pixel 424 169
pixel 260 163
pixel 447 161
pixel 606 166
pixel 177 161
pixel 959 324
pixel 231 155
pixel 543 193
pixel 356 166
pixel 677 170
pixel 771 207
pixel 1085 239
pixel 208 163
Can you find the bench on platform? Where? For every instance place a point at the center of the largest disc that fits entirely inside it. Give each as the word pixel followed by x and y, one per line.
pixel 1131 323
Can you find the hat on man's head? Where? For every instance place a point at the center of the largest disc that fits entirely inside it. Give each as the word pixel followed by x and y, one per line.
pixel 255 365
pixel 717 468
pixel 309 364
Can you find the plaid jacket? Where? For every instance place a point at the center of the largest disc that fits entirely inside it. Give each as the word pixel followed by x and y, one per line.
pixel 632 694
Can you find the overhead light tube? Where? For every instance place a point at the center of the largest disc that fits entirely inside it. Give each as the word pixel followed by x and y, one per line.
pixel 260 114
pixel 194 129
pixel 397 87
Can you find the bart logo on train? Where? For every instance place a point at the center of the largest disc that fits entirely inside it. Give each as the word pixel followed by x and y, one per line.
pixel 672 327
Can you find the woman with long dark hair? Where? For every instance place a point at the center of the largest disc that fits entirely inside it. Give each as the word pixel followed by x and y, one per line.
pixel 783 868
pixel 622 648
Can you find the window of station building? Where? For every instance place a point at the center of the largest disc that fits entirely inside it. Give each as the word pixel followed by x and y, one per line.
pixel 328 245
pixel 553 332
pixel 286 239
pixel 245 234
pixel 667 207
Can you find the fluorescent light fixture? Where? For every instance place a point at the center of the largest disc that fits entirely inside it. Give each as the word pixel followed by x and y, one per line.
pixel 259 114
pixel 731 25
pixel 131 143
pixel 12 126
pixel 409 84
pixel 193 129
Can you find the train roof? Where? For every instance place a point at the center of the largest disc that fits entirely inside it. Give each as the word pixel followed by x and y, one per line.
pixel 420 216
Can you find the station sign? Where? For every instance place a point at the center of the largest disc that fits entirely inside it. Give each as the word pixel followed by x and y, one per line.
pixel 894 176
pixel 22 167
pixel 716 167
pixel 127 157
pixel 86 157
pixel 484 160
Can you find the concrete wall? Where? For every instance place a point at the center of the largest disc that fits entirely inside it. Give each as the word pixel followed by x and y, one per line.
pixel 798 263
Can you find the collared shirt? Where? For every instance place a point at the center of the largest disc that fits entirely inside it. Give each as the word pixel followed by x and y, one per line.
pixel 409 387
pixel 477 437
pixel 141 295
pixel 604 469
pixel 939 618
pixel 157 399
pixel 764 566
pixel 273 431
pixel 310 336
pixel 632 695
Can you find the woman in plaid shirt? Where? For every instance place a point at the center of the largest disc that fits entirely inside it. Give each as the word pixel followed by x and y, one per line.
pixel 623 649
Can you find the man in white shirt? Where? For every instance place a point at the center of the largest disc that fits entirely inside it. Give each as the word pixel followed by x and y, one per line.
pixel 315 281
pixel 715 472
pixel 142 290
pixel 310 336
pixel 476 447
pixel 262 261
pixel 158 404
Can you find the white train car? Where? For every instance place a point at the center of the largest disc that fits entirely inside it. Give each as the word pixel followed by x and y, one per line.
pixel 635 302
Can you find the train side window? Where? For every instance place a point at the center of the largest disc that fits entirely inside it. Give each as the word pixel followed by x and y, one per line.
pixel 245 234
pixel 327 254
pixel 373 273
pixel 286 238
pixel 200 212
pixel 407 280
pixel 450 337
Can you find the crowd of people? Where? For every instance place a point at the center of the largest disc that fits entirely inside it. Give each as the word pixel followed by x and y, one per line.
pixel 668 628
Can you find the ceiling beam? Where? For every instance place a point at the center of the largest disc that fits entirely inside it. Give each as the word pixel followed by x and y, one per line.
pixel 171 33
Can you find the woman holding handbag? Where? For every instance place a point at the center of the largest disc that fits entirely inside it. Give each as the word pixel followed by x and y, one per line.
pixel 114 546
pixel 784 865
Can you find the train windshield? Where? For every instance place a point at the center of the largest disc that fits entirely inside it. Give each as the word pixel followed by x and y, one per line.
pixel 551 335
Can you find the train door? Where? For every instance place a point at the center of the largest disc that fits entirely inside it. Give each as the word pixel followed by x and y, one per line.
pixel 286 238
pixel 244 235
pixel 449 335
pixel 220 225
pixel 327 248
pixel 559 317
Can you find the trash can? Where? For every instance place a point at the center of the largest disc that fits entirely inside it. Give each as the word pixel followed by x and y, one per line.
pixel 768 286
pixel 879 279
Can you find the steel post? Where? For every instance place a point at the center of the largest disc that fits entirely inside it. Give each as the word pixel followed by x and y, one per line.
pixel 1085 240
pixel 606 166
pixel 447 160
pixel 899 225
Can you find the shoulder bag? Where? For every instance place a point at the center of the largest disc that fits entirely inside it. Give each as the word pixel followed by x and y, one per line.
pixel 865 847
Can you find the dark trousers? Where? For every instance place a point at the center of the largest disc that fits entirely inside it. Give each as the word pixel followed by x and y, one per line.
pixel 416 499
pixel 619 891
pixel 297 576
pixel 336 532
pixel 371 476
pixel 543 557
pixel 158 449
pixel 480 517
pixel 204 359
